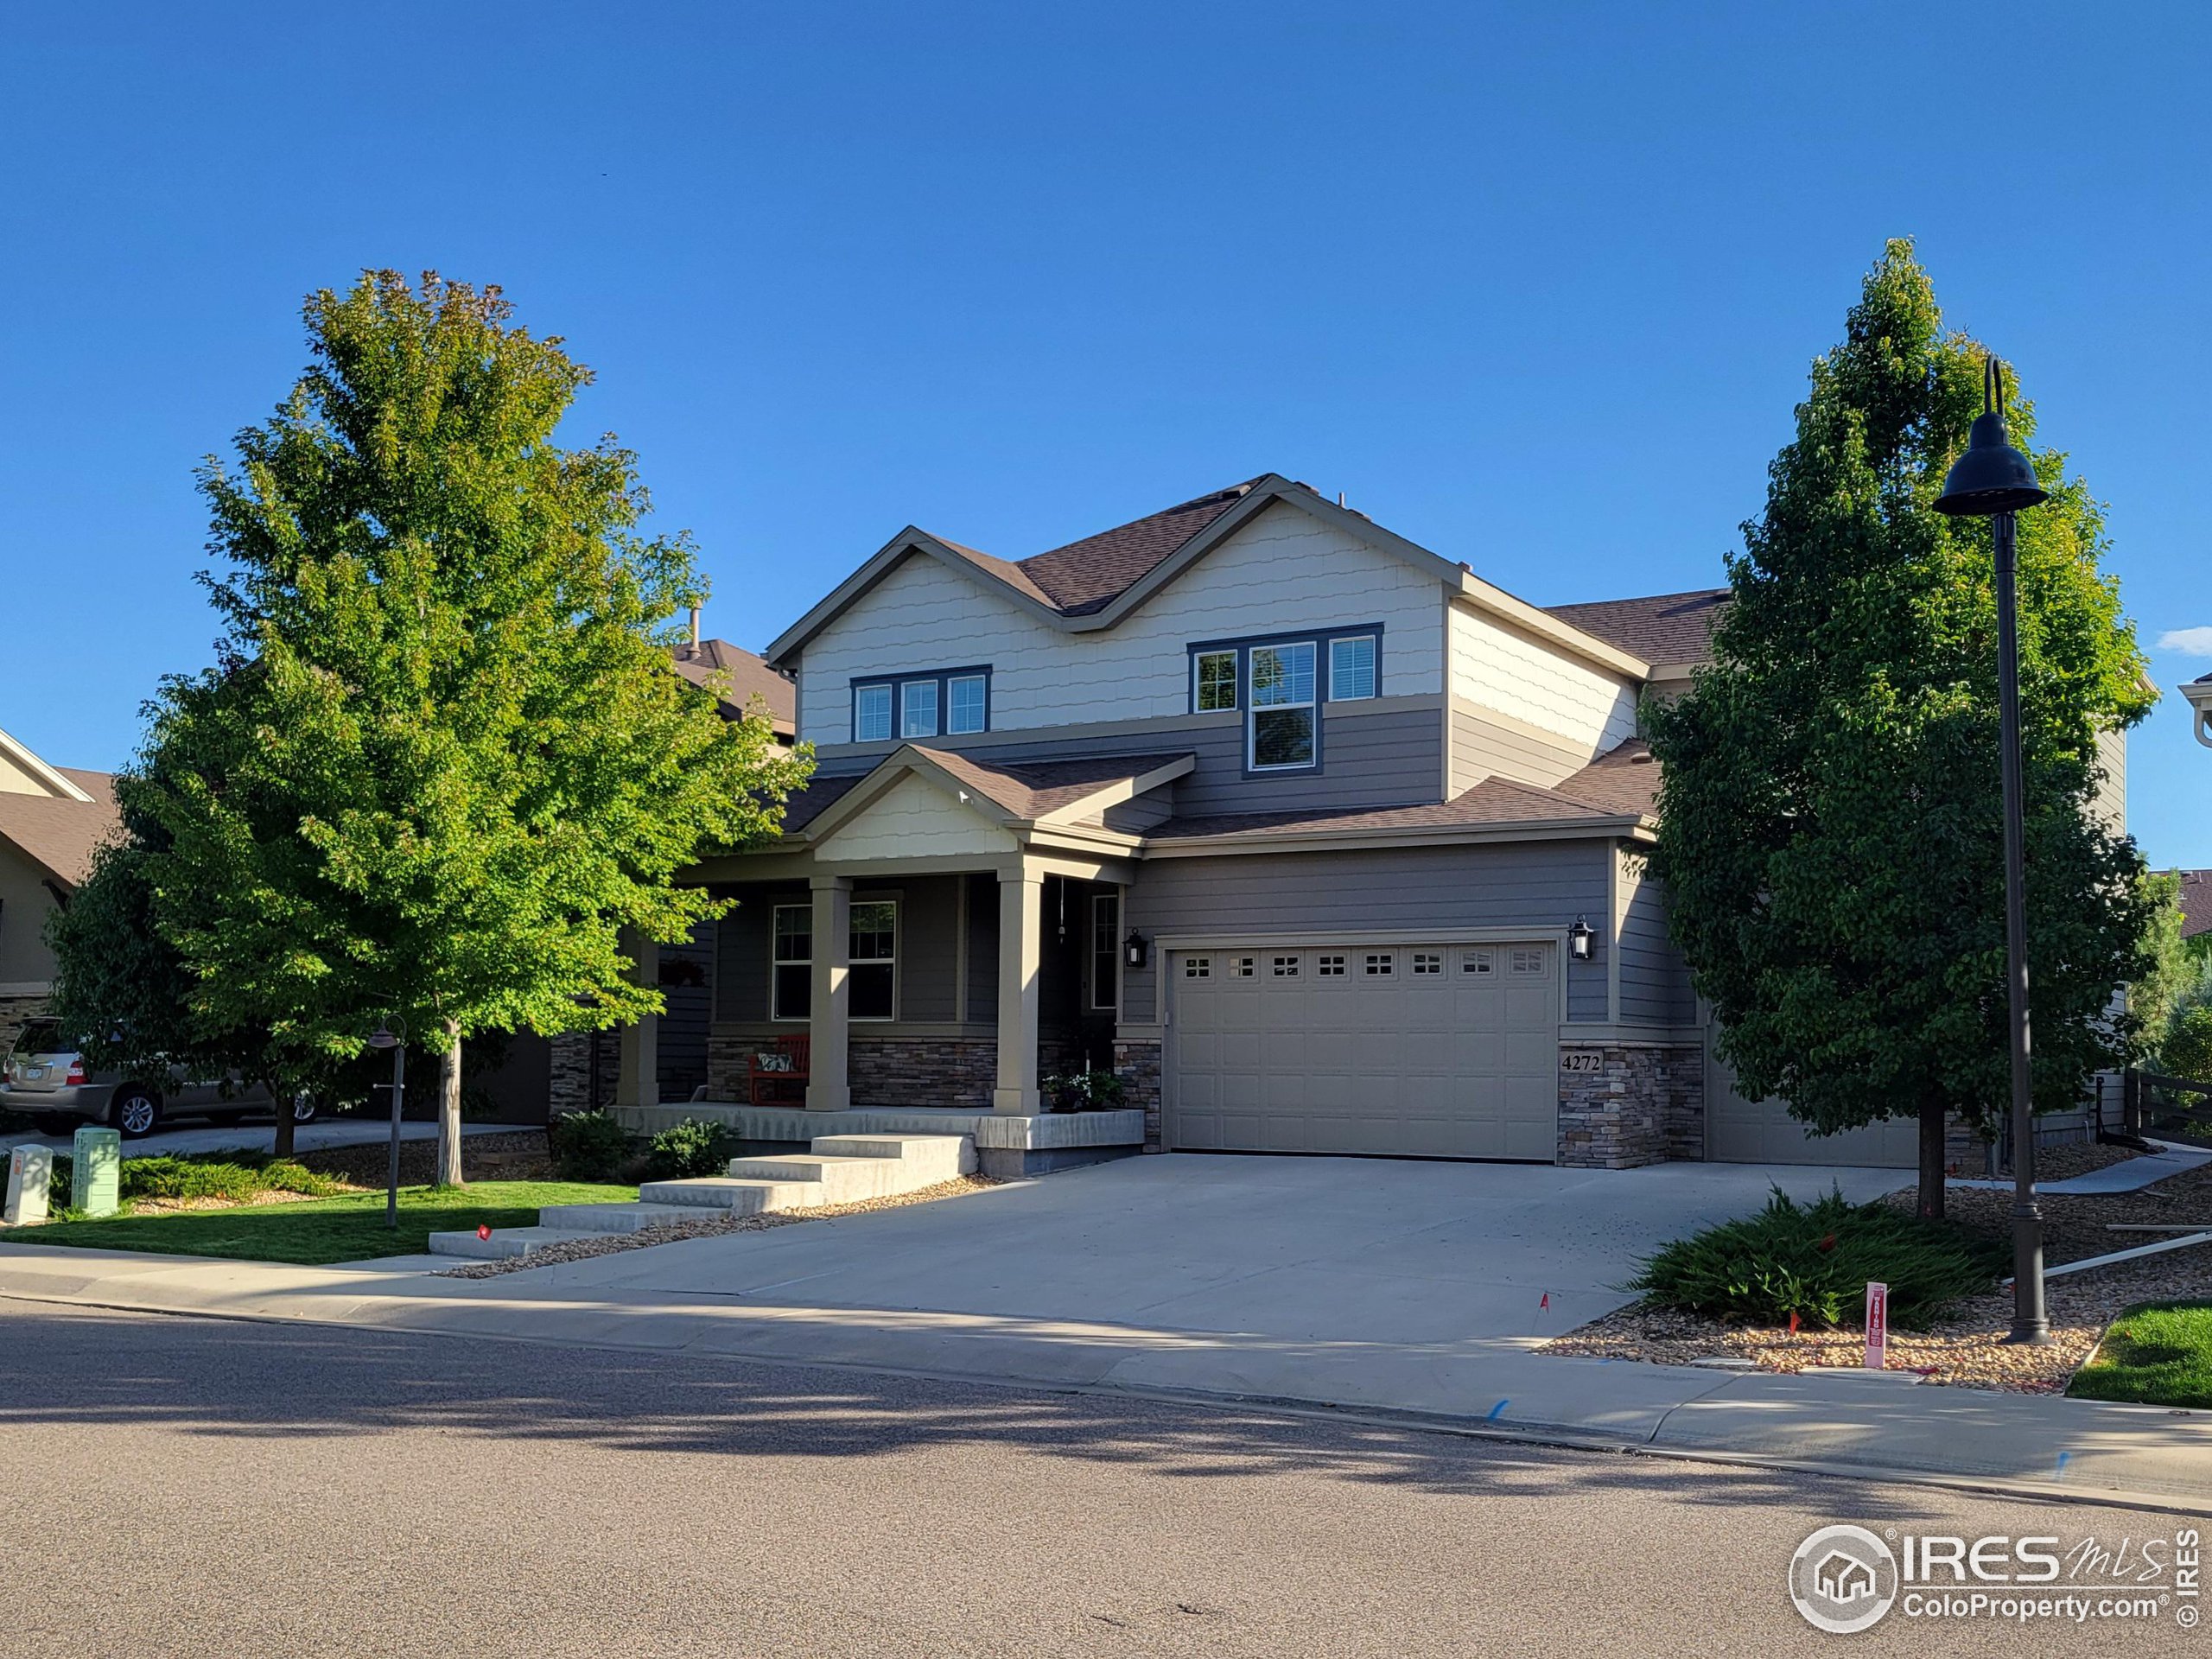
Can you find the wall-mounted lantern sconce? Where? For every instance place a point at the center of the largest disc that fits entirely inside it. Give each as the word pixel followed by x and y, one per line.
pixel 1133 949
pixel 1581 940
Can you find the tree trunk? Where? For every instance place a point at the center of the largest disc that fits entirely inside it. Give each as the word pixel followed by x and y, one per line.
pixel 449 1109
pixel 1931 1204
pixel 285 1125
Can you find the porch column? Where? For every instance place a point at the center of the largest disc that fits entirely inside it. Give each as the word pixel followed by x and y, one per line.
pixel 829 1088
pixel 1022 932
pixel 637 1082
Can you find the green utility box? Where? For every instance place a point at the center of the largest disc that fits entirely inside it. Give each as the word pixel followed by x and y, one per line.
pixel 29 1169
pixel 96 1185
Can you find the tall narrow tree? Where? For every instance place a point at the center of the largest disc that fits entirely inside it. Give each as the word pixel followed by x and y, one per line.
pixel 1830 829
pixel 441 769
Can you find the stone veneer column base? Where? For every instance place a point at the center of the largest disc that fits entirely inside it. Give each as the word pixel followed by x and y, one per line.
pixel 569 1084
pixel 1137 1064
pixel 1622 1105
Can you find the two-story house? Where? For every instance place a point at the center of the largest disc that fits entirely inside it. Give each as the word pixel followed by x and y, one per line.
pixel 1320 840
pixel 53 819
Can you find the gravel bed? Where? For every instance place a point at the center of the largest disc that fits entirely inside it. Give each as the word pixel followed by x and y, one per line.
pixel 1966 1349
pixel 708 1226
pixel 213 1201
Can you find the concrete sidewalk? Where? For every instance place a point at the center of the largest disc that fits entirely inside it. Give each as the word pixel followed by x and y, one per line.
pixel 1874 1426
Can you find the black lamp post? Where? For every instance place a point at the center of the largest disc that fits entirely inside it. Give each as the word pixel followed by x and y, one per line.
pixel 1993 481
pixel 382 1038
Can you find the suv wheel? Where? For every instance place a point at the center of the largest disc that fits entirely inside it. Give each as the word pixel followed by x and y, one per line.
pixel 136 1110
pixel 303 1108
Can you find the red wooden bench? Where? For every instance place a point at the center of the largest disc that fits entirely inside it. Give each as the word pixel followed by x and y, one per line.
pixel 778 1072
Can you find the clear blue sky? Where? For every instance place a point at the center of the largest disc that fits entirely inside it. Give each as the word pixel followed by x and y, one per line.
pixel 1535 285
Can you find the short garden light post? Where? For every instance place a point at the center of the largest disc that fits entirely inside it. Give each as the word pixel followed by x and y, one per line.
pixel 384 1037
pixel 1993 481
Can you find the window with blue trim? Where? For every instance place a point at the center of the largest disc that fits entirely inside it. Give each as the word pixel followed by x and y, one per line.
pixel 1281 683
pixel 1352 668
pixel 871 714
pixel 956 701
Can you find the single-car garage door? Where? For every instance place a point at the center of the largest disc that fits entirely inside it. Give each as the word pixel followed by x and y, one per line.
pixel 1441 1050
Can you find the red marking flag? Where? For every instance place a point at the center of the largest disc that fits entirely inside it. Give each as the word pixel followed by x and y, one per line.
pixel 483 1230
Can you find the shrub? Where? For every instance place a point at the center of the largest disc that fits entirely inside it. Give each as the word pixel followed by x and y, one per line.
pixel 587 1146
pixel 219 1177
pixel 1088 1090
pixel 693 1147
pixel 2187 1050
pixel 1815 1260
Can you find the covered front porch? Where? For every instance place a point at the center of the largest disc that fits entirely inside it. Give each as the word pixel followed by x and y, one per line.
pixel 944 936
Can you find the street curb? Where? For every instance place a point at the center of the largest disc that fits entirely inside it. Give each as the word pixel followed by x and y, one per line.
pixel 1559 1436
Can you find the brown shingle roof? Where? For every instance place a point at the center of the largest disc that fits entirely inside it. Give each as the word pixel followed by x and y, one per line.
pixel 748 677
pixel 62 836
pixel 1493 801
pixel 1089 575
pixel 1662 628
pixel 1032 788
pixel 2196 899
pixel 1625 778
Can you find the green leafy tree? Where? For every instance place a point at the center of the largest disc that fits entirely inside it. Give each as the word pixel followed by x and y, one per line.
pixel 1830 823
pixel 441 769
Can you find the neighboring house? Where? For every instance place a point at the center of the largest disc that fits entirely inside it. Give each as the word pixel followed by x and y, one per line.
pixel 52 819
pixel 2199 693
pixel 742 681
pixel 1317 839
pixel 2196 897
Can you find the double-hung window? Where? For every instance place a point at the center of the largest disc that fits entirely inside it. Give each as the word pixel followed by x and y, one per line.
pixel 791 990
pixel 955 701
pixel 1283 730
pixel 875 959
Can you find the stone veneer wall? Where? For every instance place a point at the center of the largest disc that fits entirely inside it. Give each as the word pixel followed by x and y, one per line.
pixel 15 1012
pixel 1634 1103
pixel 570 1087
pixel 922 1071
pixel 1137 1064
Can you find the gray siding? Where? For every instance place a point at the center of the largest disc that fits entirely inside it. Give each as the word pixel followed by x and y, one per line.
pixel 1390 753
pixel 24 906
pixel 1543 885
pixel 1486 744
pixel 1655 981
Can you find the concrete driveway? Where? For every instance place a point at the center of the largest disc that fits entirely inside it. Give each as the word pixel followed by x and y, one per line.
pixel 1328 1249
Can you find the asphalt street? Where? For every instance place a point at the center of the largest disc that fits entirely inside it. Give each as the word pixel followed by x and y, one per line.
pixel 185 1486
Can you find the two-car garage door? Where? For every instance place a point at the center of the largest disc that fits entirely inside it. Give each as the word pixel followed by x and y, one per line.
pixel 1445 1050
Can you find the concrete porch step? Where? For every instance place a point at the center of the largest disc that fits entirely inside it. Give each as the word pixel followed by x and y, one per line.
pixel 504 1241
pixel 837 1179
pixel 746 1197
pixel 928 1158
pixel 619 1218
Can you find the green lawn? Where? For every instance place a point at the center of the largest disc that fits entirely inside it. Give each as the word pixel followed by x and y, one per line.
pixel 2159 1353
pixel 349 1229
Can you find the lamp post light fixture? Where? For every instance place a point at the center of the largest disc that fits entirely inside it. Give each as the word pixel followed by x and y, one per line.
pixel 1993 481
pixel 384 1037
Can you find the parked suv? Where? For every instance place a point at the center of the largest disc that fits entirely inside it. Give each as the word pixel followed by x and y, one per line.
pixel 46 1076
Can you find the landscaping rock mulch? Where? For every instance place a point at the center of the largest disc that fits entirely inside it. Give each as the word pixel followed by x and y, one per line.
pixel 1966 1349
pixel 520 1156
pixel 215 1201
pixel 709 1225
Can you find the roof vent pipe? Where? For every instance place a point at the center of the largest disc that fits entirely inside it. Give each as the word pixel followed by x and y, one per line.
pixel 694 630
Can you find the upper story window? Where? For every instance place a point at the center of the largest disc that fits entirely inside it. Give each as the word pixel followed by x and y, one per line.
pixel 950 700
pixel 1282 684
pixel 1284 730
pixel 1351 667
pixel 1213 683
